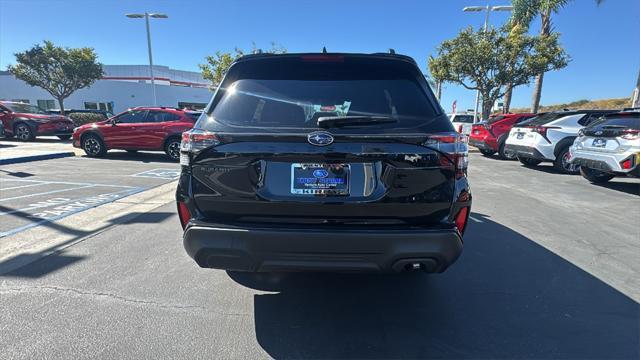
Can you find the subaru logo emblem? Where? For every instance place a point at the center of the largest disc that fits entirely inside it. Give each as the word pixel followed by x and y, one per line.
pixel 598 133
pixel 320 138
pixel 320 173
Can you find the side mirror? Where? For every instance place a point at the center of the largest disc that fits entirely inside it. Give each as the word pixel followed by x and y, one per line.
pixel 114 122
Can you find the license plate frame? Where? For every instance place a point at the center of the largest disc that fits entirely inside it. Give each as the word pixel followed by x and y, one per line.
pixel 320 179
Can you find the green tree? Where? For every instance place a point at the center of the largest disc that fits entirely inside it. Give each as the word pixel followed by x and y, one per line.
pixel 60 71
pixel 216 66
pixel 489 61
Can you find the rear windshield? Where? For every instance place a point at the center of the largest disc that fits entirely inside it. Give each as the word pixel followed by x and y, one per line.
pixel 467 119
pixel 293 94
pixel 624 122
pixel 545 119
pixel 493 119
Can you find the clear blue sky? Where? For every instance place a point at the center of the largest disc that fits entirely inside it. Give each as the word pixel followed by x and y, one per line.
pixel 599 39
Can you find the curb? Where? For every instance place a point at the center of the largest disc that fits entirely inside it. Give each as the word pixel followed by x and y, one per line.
pixel 24 159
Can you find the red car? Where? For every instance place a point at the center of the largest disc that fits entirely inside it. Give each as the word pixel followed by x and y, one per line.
pixel 489 136
pixel 26 121
pixel 141 128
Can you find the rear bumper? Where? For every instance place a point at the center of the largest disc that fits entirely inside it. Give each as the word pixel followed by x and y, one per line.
pixel 606 162
pixel 481 144
pixel 525 151
pixel 277 249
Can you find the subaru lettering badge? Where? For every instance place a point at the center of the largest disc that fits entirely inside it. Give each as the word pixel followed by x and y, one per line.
pixel 320 173
pixel 320 138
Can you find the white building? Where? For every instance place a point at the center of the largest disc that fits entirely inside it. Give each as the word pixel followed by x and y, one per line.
pixel 122 87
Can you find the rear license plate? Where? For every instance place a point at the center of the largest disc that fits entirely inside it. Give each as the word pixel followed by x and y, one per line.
pixel 599 143
pixel 320 179
pixel 520 136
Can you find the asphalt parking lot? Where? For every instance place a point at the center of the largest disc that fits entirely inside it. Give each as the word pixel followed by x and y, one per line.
pixel 550 270
pixel 46 191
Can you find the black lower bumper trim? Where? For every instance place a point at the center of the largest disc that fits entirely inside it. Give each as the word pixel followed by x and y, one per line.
pixel 267 249
pixel 524 151
pixel 480 144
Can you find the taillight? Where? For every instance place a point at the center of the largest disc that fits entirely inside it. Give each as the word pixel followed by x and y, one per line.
pixel 454 148
pixel 542 130
pixel 461 219
pixel 194 141
pixel 184 214
pixel 631 134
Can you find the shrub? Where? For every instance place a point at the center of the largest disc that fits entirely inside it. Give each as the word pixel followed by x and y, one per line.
pixel 85 118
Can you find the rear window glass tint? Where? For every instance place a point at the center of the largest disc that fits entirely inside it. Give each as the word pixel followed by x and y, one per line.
pixel 291 93
pixel 467 119
pixel 626 121
pixel 544 119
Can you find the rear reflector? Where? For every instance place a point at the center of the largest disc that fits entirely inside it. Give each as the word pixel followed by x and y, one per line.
pixel 184 214
pixel 461 219
pixel 627 164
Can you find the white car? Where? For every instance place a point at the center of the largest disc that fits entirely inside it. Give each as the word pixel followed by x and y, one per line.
pixel 548 137
pixel 609 147
pixel 462 122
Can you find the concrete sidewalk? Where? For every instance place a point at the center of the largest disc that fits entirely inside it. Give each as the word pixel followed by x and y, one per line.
pixel 13 151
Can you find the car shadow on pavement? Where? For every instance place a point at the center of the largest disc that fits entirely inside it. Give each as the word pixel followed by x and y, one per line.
pixel 631 188
pixel 145 157
pixel 506 297
pixel 51 259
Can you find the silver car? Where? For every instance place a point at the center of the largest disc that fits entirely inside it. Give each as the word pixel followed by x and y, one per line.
pixel 609 147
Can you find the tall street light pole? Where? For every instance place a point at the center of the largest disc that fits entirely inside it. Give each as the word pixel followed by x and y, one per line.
pixel 488 10
pixel 146 17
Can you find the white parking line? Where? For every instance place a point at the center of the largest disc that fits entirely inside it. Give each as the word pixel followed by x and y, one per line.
pixel 24 186
pixel 68 183
pixel 48 192
pixel 476 220
pixel 66 201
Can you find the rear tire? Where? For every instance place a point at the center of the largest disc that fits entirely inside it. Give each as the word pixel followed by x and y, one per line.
pixel 172 148
pixel 505 155
pixel 529 162
pixel 487 152
pixel 23 132
pixel 64 137
pixel 561 163
pixel 595 176
pixel 93 146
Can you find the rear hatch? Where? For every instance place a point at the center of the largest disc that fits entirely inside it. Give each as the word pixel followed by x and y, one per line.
pixel 324 140
pixel 614 133
pixel 528 132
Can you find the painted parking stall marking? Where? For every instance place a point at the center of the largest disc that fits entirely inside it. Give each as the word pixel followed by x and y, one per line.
pixel 35 202
pixel 167 174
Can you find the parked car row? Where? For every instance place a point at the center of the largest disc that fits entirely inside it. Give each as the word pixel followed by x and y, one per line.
pixel 599 144
pixel 141 128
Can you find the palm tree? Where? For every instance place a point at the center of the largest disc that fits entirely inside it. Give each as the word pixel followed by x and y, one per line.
pixel 524 11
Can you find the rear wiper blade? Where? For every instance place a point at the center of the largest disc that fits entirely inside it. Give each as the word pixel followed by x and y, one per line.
pixel 354 120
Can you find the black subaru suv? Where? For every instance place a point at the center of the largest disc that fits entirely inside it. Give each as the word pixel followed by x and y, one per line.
pixel 323 162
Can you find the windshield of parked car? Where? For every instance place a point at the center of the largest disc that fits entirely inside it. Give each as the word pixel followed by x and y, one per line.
pixel 295 94
pixel 24 108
